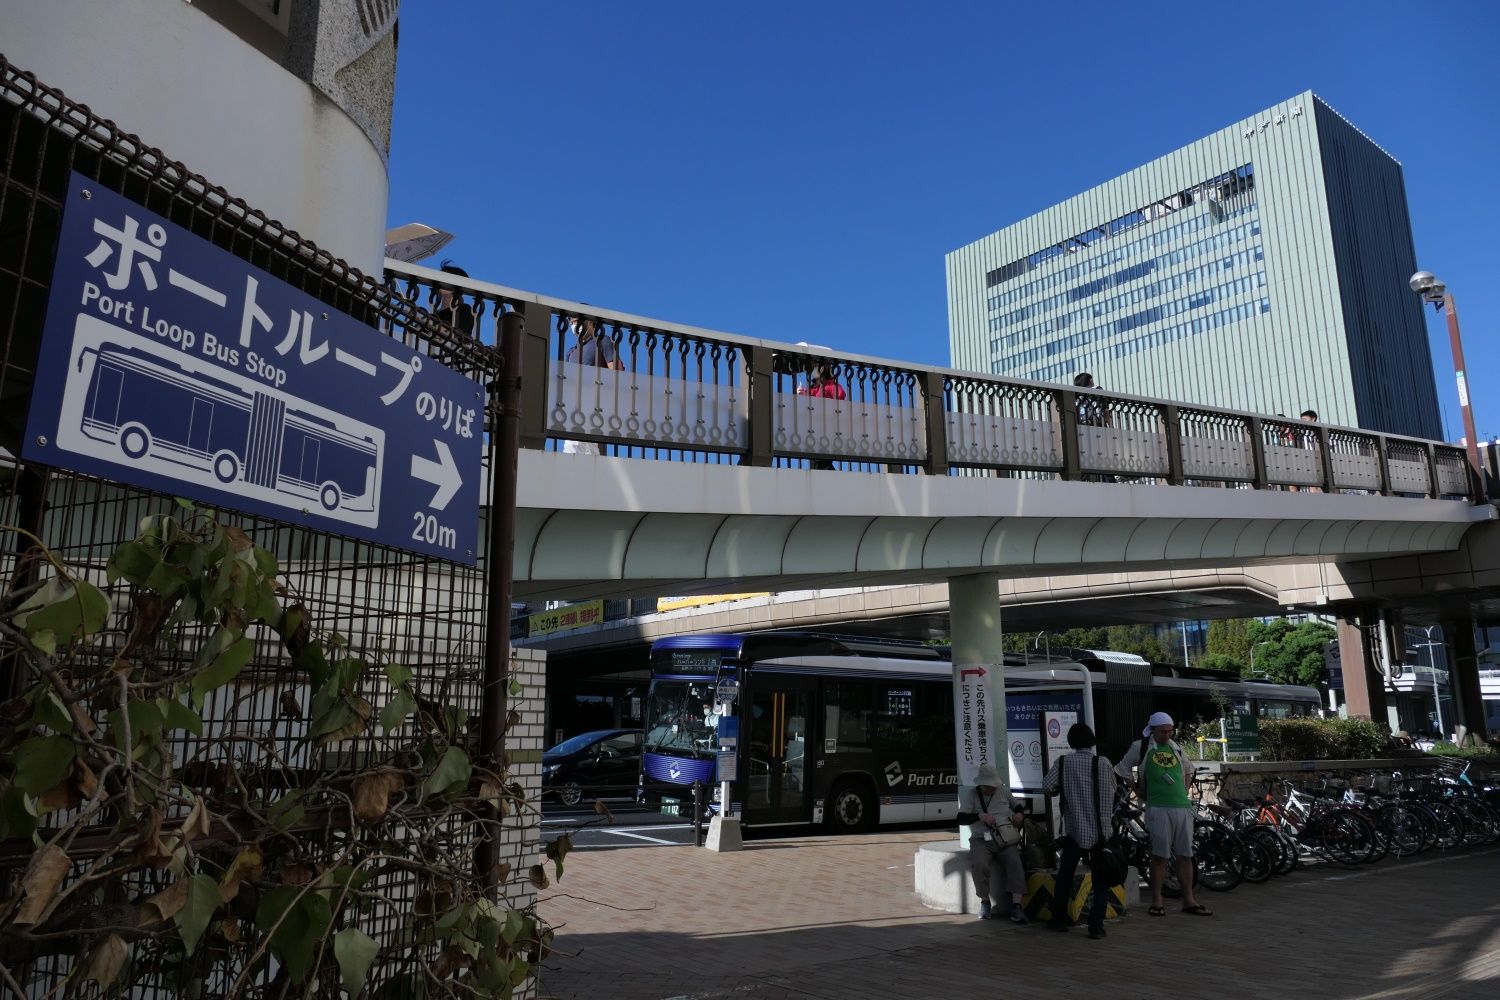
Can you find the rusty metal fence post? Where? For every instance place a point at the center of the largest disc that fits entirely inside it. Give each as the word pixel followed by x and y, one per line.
pixel 505 443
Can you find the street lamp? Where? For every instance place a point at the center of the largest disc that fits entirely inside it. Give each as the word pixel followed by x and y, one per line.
pixel 1437 700
pixel 1425 284
pixel 1263 642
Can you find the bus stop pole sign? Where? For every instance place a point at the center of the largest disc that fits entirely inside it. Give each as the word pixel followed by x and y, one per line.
pixel 171 364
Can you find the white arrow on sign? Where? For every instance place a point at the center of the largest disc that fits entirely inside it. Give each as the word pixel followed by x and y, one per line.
pixel 443 474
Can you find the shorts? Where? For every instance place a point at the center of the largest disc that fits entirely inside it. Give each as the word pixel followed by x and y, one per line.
pixel 1171 831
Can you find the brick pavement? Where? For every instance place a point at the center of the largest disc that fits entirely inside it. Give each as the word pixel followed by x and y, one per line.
pixel 836 918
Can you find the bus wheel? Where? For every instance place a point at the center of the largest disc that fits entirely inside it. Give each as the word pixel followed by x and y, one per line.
pixel 135 440
pixel 329 495
pixel 851 807
pixel 226 467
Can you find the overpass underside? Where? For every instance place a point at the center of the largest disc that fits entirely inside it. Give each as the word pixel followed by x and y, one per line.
pixel 606 526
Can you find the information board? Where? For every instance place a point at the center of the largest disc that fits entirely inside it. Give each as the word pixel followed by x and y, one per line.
pixel 171 364
pixel 1241 733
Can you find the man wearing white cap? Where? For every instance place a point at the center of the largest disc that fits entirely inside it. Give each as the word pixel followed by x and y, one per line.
pixel 992 838
pixel 1162 784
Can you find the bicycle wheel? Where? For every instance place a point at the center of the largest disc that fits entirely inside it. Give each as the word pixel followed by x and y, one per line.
pixel 1259 865
pixel 1283 856
pixel 1346 838
pixel 1450 824
pixel 1218 855
pixel 1479 821
pixel 1402 829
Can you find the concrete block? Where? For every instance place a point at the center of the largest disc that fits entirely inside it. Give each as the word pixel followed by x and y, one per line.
pixel 942 877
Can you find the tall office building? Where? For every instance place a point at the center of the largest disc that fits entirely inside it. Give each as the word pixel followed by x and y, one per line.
pixel 1262 268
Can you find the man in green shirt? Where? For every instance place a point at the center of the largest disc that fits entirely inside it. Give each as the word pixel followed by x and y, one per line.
pixel 1162 784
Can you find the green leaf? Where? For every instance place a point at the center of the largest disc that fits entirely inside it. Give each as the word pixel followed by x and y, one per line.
pixel 48 710
pixel 452 773
pixel 397 674
pixel 287 810
pixel 225 667
pixel 265 563
pixel 397 710
pixel 202 901
pixel 355 951
pixel 133 562
pixel 166 579
pixel 46 641
pixel 514 923
pixel 64 608
pixel 42 761
pixel 179 716
pixel 146 721
pixel 185 505
pixel 515 686
pixel 346 672
pixel 303 923
pixel 17 813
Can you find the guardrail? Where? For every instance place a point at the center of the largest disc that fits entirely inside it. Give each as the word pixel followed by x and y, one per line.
pixel 651 389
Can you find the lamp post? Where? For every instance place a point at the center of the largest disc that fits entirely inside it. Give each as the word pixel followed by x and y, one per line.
pixel 1425 284
pixel 1437 701
pixel 1263 642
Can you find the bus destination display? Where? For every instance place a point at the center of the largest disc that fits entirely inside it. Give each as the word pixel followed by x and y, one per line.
pixel 171 364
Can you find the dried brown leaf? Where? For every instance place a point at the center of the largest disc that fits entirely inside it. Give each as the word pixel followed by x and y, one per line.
pixel 431 902
pixel 246 867
pixel 165 904
pixel 372 795
pixel 48 867
pixel 106 961
pixel 537 876
pixel 354 726
pixel 603 810
pixel 452 959
pixel 297 873
pixel 512 720
pixel 238 540
pixel 149 849
pixel 197 823
pixel 502 871
pixel 230 928
pixel 290 706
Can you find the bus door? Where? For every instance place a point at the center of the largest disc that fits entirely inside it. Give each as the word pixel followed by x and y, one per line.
pixel 777 772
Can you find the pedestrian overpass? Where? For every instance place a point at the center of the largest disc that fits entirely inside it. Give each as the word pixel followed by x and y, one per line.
pixel 697 462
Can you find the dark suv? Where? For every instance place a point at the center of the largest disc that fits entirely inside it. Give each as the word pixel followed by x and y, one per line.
pixel 603 763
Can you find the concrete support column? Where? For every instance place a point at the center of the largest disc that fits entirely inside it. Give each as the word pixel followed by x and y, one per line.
pixel 974 615
pixel 1364 685
pixel 1466 694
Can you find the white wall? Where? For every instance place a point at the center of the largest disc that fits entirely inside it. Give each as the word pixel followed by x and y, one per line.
pixel 189 86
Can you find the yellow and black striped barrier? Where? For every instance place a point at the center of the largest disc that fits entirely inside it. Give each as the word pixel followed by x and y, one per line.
pixel 1041 896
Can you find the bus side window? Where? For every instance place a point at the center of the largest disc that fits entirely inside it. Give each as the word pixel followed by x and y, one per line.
pixel 846 714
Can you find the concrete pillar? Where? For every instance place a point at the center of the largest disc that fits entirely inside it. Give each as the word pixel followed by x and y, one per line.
pixel 1364 685
pixel 974 623
pixel 1466 693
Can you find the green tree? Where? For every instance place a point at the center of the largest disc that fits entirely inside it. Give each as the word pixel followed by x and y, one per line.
pixel 1230 638
pixel 1138 639
pixel 1287 653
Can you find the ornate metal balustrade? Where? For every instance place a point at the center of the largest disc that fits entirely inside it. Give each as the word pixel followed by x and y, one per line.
pixel 604 382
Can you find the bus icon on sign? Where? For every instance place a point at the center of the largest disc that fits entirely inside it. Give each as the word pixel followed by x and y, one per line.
pixel 134 402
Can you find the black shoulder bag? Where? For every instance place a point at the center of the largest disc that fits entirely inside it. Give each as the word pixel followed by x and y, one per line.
pixel 1104 860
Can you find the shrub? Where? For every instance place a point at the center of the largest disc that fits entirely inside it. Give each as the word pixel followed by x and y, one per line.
pixel 1488 755
pixel 1319 739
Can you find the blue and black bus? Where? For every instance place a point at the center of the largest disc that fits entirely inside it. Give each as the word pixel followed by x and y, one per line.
pixel 852 732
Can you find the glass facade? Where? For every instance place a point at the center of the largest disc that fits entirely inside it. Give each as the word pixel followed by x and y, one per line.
pixel 1196 265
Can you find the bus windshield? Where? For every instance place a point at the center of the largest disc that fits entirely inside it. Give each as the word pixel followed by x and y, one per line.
pixel 680 717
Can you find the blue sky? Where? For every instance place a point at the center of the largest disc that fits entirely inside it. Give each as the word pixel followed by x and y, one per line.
pixel 797 171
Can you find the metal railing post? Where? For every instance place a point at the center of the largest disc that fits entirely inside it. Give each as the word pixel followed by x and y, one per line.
pixel 1257 429
pixel 935 411
pixel 698 814
pixel 1383 457
pixel 1327 459
pixel 534 356
pixel 1171 417
pixel 1436 489
pixel 1067 405
pixel 762 390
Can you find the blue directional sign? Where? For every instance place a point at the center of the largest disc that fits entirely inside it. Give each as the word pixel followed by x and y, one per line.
pixel 171 364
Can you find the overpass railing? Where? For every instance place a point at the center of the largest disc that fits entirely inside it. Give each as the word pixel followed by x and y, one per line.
pixel 654 389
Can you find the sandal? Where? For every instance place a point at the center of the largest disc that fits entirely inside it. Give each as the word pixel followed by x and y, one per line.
pixel 1198 911
pixel 1157 911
